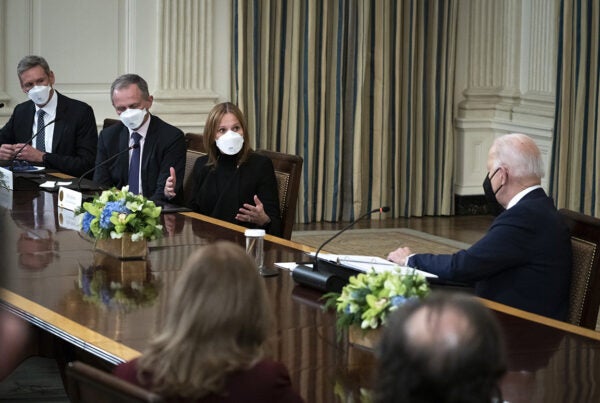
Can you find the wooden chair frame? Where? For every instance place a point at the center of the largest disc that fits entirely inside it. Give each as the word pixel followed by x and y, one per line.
pixel 288 171
pixel 89 384
pixel 584 300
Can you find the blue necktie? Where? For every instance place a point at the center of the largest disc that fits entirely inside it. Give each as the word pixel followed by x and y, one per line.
pixel 134 165
pixel 40 141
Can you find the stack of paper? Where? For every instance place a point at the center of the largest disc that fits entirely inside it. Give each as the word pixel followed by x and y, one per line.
pixel 367 263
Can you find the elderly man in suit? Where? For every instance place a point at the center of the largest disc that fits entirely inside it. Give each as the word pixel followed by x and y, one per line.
pixel 154 145
pixel 524 260
pixel 64 128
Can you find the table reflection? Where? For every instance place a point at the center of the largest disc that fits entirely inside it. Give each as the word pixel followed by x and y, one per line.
pixel 111 283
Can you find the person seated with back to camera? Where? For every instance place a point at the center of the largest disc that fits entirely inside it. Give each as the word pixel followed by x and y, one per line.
pixel 232 182
pixel 524 260
pixel 212 345
pixel 446 348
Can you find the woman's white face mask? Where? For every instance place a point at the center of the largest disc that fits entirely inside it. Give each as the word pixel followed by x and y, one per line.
pixel 230 143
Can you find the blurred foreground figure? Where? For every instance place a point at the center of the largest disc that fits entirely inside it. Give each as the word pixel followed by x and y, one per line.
pixel 447 348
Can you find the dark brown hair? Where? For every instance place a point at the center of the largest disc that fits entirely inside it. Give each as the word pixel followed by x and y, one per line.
pixel 212 125
pixel 447 348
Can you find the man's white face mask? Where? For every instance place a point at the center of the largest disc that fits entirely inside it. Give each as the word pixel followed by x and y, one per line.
pixel 133 118
pixel 230 143
pixel 40 94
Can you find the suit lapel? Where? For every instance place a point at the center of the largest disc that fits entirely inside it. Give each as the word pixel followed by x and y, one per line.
pixel 59 126
pixel 25 129
pixel 123 158
pixel 149 146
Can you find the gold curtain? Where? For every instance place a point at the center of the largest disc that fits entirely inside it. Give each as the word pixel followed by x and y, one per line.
pixel 362 90
pixel 575 172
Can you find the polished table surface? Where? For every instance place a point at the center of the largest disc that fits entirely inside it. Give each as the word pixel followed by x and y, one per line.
pixel 56 280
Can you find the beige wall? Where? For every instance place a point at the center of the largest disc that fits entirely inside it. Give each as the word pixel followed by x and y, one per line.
pixel 181 47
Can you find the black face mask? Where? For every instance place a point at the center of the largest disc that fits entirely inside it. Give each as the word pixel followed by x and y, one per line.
pixel 490 196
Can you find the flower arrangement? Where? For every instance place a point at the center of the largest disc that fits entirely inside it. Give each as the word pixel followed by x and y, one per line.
pixel 117 212
pixel 369 298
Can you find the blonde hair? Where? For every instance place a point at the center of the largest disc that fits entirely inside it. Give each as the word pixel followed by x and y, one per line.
pixel 211 126
pixel 217 322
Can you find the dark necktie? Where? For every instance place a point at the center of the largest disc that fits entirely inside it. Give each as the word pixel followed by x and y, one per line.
pixel 134 165
pixel 40 141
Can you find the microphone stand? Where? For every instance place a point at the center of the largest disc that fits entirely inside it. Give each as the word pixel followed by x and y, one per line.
pixel 337 276
pixel 12 161
pixel 106 161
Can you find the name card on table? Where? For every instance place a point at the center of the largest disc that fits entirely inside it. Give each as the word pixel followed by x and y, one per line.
pixel 69 199
pixel 6 179
pixel 68 219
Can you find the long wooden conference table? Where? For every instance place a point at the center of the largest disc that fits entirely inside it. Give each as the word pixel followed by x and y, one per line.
pixel 108 309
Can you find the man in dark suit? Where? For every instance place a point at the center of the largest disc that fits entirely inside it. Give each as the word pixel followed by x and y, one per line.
pixel 158 146
pixel 68 144
pixel 524 260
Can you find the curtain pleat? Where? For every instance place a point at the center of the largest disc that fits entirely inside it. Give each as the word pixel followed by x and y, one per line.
pixel 362 90
pixel 575 166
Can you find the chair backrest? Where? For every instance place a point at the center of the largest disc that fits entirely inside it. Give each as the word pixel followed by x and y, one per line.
pixel 88 384
pixel 109 122
pixel 195 149
pixel 288 170
pixel 584 299
pixel 195 141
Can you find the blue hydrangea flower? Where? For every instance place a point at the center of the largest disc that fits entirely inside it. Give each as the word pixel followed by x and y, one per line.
pixel 114 206
pixel 398 300
pixel 86 222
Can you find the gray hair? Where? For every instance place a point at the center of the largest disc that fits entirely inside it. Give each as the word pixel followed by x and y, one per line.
pixel 520 154
pixel 31 61
pixel 126 80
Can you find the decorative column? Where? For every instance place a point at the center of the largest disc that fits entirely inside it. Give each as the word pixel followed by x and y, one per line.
pixel 511 63
pixel 540 51
pixel 185 93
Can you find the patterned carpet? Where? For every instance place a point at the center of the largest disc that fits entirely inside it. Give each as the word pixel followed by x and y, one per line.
pixel 37 379
pixel 378 242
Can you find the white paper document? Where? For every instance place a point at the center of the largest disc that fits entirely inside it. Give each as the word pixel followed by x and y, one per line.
pixel 366 263
pixel 288 265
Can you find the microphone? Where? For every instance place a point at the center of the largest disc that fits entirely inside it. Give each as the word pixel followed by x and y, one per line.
pixel 106 161
pixel 327 281
pixel 13 159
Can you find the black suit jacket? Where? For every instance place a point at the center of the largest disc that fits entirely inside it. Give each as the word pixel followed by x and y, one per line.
pixel 75 134
pixel 220 200
pixel 524 260
pixel 164 147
